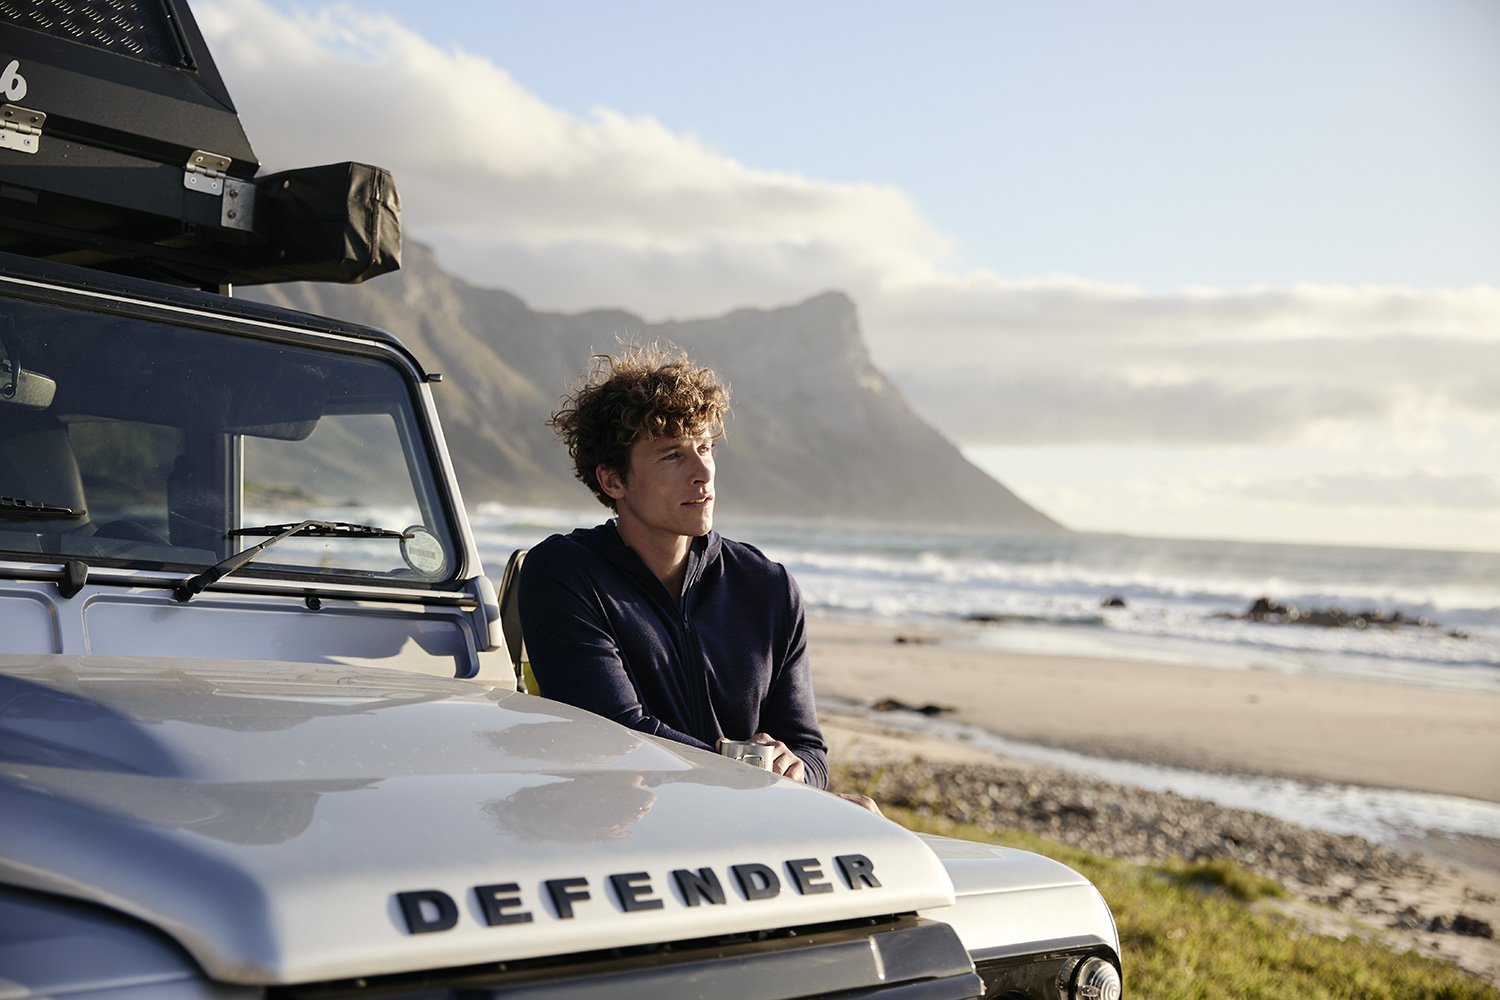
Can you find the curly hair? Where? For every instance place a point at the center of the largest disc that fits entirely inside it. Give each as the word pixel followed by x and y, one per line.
pixel 646 392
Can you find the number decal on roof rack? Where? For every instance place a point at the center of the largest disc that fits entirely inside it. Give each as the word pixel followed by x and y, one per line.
pixel 12 83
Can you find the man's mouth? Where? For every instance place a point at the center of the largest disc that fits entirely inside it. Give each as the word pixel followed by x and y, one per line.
pixel 699 501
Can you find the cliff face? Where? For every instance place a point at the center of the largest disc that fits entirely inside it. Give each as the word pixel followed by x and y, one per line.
pixel 816 431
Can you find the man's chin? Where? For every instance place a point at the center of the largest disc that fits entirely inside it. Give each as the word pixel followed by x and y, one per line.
pixel 704 524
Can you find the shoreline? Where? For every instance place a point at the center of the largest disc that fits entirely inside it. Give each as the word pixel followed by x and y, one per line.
pixel 1409 896
pixel 1207 719
pixel 1212 720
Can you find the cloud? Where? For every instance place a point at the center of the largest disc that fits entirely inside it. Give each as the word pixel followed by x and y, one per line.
pixel 490 173
pixel 1117 388
pixel 983 306
pixel 1419 489
pixel 612 210
pixel 1045 407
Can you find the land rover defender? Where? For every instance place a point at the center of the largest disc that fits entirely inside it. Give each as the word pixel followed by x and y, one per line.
pixel 260 734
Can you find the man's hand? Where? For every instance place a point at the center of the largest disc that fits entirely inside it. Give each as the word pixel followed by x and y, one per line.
pixel 784 761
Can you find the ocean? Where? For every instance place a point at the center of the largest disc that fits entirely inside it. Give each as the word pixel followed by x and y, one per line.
pixel 1411 617
pixel 1175 601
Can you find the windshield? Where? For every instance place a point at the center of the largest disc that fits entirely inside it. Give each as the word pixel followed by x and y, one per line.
pixel 149 445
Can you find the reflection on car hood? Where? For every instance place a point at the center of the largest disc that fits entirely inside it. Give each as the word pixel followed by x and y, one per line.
pixel 270 815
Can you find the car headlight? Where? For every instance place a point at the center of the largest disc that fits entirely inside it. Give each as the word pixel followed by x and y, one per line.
pixel 1094 979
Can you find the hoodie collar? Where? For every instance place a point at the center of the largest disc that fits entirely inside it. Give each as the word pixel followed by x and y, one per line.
pixel 605 541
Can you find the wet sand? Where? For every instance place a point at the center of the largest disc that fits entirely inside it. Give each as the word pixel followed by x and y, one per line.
pixel 1207 719
pixel 1202 718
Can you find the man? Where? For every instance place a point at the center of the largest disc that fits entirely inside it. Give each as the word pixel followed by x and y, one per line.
pixel 653 619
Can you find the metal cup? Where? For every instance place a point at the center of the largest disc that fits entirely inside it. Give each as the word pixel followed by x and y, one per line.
pixel 755 754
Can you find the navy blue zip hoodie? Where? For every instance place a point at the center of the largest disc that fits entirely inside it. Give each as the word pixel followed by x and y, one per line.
pixel 727 659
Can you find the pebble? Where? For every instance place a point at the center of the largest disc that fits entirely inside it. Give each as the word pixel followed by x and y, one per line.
pixel 1132 824
pixel 1348 873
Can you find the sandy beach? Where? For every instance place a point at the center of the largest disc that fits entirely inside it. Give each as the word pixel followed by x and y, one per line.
pixel 1197 717
pixel 1247 722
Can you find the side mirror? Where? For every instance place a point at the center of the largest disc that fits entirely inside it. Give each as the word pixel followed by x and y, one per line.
pixel 489 606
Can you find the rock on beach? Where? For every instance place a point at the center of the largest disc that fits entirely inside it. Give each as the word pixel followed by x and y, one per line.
pixel 1123 822
pixel 1416 903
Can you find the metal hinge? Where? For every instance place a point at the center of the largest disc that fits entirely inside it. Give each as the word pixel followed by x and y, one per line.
pixel 21 129
pixel 205 172
pixel 238 209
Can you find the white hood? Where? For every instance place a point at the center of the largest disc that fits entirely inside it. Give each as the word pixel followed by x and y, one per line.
pixel 270 817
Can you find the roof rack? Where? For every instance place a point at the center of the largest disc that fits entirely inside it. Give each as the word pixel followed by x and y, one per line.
pixel 121 149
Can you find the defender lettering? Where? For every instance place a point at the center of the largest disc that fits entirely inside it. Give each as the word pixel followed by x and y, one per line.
pixel 430 910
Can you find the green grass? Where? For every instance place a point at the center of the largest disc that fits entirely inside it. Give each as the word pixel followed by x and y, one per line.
pixel 1188 930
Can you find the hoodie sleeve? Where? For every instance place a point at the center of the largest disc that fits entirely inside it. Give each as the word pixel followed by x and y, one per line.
pixel 789 712
pixel 574 653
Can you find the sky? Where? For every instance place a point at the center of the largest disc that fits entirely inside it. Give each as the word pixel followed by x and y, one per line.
pixel 1166 268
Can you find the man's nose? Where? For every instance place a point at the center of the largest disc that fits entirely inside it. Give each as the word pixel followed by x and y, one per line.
pixel 702 468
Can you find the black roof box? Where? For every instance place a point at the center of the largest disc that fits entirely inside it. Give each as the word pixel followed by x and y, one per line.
pixel 121 149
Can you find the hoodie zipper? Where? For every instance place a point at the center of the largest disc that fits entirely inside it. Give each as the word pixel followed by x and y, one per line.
pixel 695 671
pixel 694 667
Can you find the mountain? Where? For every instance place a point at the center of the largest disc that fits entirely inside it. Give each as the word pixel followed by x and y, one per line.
pixel 816 431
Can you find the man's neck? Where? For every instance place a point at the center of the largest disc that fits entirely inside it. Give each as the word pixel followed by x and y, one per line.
pixel 665 555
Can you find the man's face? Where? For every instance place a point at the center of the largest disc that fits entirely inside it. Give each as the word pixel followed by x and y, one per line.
pixel 670 488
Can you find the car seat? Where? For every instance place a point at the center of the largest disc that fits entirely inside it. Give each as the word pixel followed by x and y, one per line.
pixel 510 622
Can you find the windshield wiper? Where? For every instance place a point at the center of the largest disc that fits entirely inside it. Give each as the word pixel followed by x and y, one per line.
pixel 318 529
pixel 17 507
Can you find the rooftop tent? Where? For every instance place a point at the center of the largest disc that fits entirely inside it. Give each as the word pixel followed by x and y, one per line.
pixel 120 149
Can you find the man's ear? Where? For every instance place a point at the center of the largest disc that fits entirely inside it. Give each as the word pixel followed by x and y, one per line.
pixel 610 481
